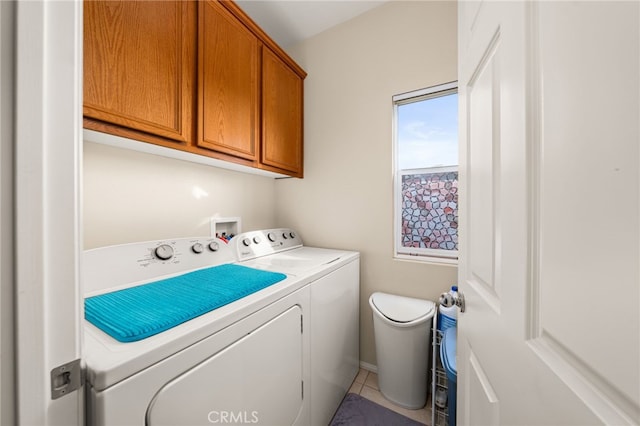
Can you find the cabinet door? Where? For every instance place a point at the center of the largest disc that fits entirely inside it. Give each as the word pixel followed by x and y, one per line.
pixel 281 115
pixel 228 83
pixel 139 61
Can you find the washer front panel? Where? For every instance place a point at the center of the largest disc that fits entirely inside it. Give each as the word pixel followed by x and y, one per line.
pixel 129 402
pixel 258 379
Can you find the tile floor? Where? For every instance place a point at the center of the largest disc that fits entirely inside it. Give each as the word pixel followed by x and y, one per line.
pixel 366 385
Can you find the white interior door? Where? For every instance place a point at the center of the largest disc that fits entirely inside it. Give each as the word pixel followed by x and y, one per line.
pixel 48 308
pixel 550 220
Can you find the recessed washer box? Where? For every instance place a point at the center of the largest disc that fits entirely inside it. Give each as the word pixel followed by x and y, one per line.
pixel 225 225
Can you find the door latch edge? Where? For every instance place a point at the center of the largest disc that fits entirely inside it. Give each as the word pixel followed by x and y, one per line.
pixel 66 378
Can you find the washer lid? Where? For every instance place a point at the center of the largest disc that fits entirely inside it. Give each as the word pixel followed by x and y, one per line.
pixel 400 308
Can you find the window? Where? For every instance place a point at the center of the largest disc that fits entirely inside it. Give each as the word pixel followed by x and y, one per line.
pixel 426 174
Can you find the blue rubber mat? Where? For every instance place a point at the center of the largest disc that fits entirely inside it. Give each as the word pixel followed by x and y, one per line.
pixel 138 312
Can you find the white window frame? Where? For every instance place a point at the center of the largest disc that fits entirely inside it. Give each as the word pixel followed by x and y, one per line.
pixel 413 253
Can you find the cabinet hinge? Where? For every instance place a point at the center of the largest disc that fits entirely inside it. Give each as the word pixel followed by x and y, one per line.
pixel 301 325
pixel 302 389
pixel 66 378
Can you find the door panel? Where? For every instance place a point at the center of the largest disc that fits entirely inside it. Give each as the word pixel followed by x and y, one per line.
pixel 550 218
pixel 281 114
pixel 228 83
pixel 138 65
pixel 480 396
pixel 588 210
pixel 257 379
pixel 483 148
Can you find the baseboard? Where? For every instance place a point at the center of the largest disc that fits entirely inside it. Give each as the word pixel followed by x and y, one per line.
pixel 369 367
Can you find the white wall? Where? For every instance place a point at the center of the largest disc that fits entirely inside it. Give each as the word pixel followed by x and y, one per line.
pixel 6 214
pixel 131 196
pixel 345 199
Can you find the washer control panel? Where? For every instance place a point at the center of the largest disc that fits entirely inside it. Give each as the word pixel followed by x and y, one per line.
pixel 127 264
pixel 181 250
pixel 249 245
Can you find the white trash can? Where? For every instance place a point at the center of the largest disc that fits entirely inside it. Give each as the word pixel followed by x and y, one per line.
pixel 402 329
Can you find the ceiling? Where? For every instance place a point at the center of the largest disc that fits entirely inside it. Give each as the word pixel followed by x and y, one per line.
pixel 289 22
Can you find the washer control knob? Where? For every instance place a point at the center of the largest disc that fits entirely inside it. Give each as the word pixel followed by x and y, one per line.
pixel 292 234
pixel 164 252
pixel 246 242
pixel 284 235
pixel 197 248
pixel 271 236
pixel 257 240
pixel 214 246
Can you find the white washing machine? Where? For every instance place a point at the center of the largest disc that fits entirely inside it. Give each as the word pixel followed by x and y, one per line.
pixel 334 280
pixel 220 367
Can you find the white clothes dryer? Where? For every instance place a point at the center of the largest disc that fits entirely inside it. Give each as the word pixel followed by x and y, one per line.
pixel 220 367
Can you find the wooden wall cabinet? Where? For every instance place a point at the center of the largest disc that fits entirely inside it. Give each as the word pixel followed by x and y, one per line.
pixel 201 77
pixel 281 107
pixel 228 83
pixel 139 66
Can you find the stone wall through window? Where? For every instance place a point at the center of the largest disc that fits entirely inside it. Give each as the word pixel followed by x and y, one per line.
pixel 430 210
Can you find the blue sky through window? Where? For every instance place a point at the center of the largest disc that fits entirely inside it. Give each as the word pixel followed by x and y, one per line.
pixel 428 133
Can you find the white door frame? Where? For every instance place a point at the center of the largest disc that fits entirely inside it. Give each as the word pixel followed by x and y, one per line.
pixel 7 37
pixel 48 148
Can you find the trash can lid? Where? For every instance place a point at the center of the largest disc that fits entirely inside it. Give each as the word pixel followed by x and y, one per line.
pixel 448 348
pixel 402 309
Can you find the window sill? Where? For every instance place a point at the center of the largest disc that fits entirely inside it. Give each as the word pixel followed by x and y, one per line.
pixel 440 261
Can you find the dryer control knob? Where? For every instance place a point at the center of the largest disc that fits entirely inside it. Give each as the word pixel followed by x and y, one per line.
pixel 271 236
pixel 292 234
pixel 246 242
pixel 164 252
pixel 257 240
pixel 214 246
pixel 197 248
pixel 284 235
